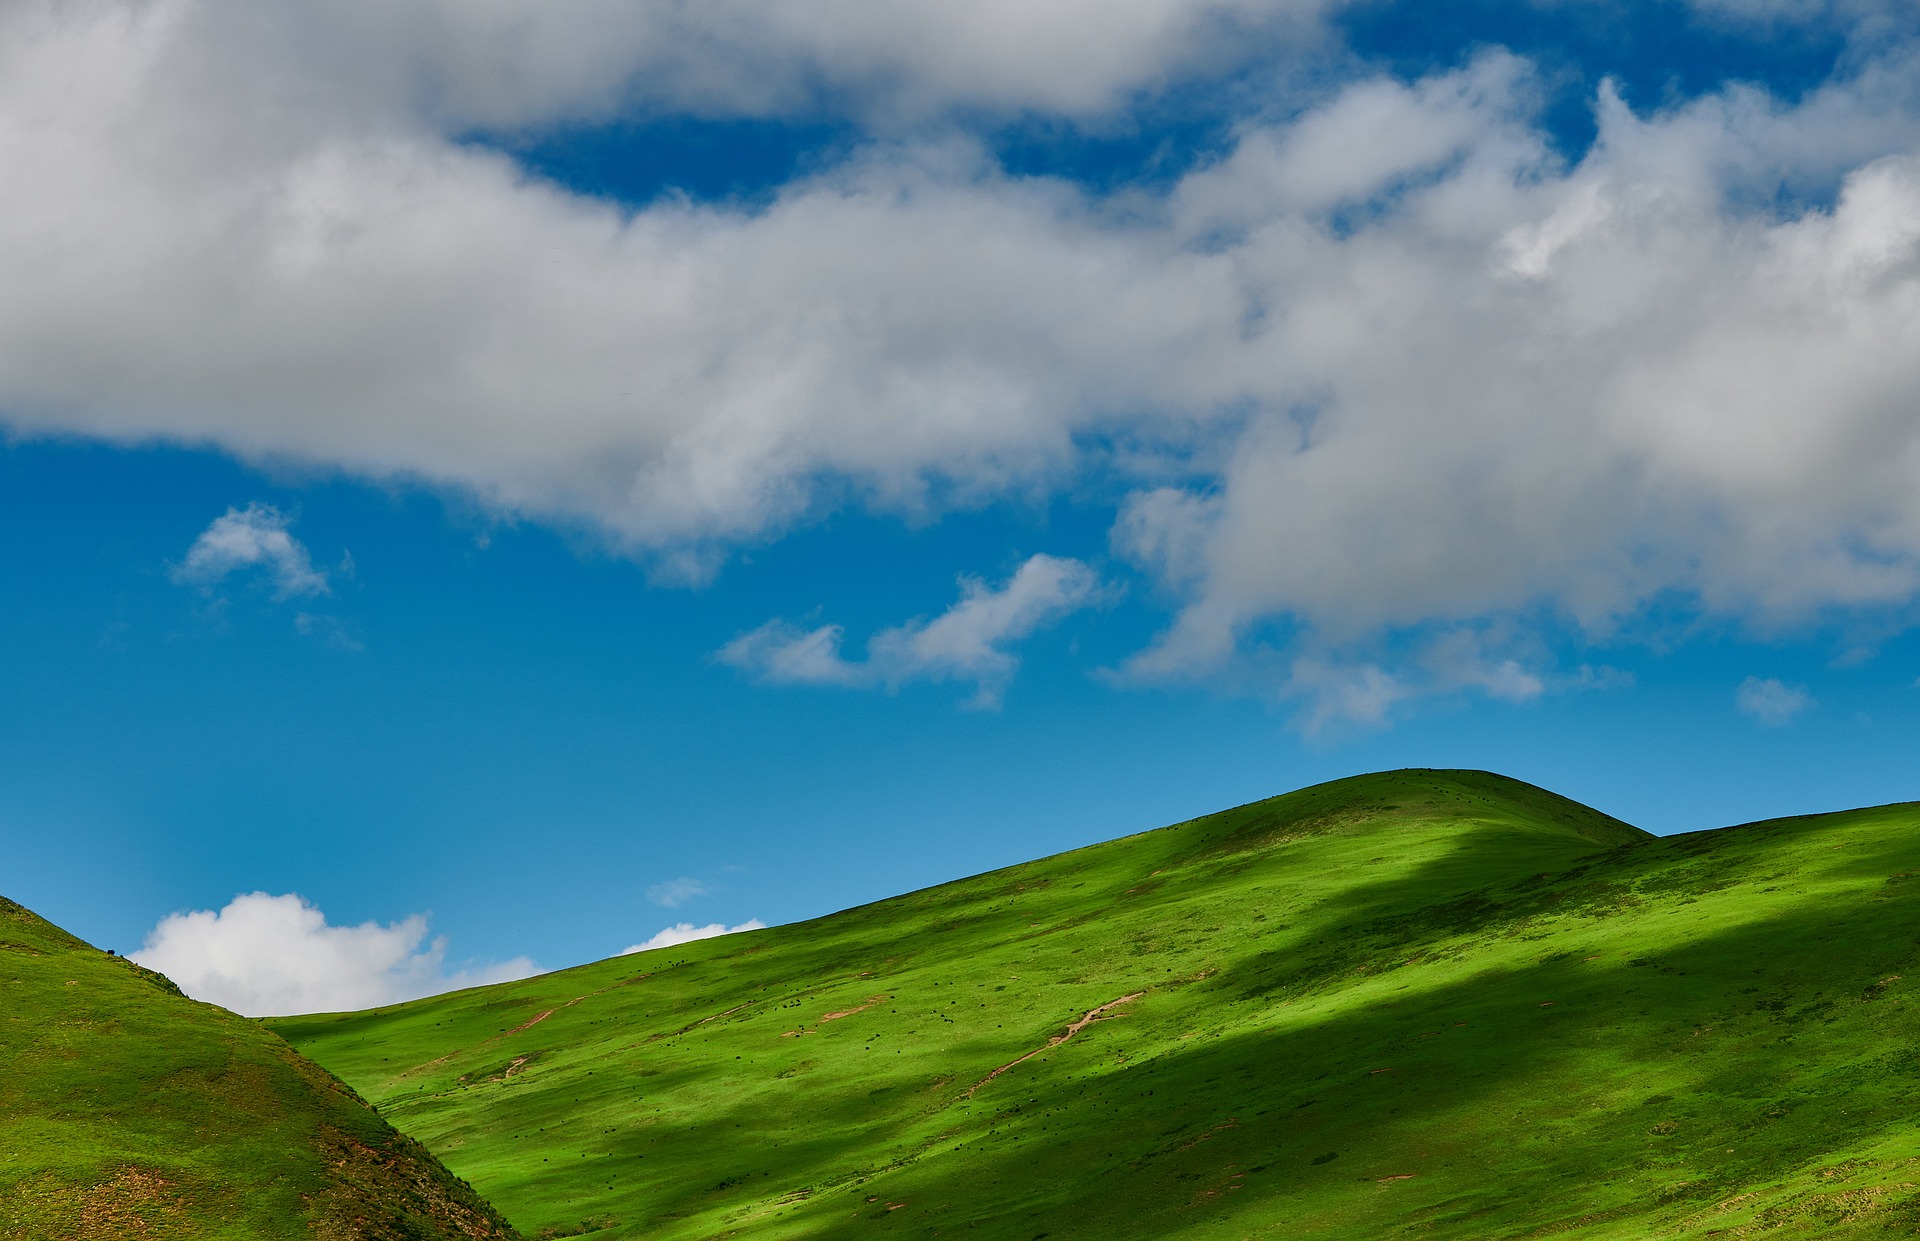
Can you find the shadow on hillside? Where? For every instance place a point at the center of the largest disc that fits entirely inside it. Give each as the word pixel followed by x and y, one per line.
pixel 1761 1051
pixel 1534 1075
pixel 1491 885
pixel 1508 1100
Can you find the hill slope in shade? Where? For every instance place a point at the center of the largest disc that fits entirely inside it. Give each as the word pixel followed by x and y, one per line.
pixel 1437 1003
pixel 129 1111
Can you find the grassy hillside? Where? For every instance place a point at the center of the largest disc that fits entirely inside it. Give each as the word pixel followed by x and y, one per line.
pixel 129 1111
pixel 1435 1003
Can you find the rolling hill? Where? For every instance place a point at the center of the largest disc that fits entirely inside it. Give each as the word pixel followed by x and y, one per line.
pixel 1433 1003
pixel 128 1111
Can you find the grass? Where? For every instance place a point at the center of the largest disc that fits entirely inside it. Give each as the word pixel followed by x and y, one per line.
pixel 129 1111
pixel 1436 1003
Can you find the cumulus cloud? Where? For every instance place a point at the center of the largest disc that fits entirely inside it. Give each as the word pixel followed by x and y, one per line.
pixel 1580 393
pixel 964 643
pixel 687 932
pixel 267 956
pixel 1769 701
pixel 254 537
pixel 1388 363
pixel 676 892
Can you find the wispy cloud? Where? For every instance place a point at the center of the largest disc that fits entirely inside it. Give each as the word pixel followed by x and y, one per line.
pixel 687 932
pixel 328 630
pixel 268 955
pixel 779 653
pixel 676 892
pixel 965 643
pixel 1771 702
pixel 1370 684
pixel 254 537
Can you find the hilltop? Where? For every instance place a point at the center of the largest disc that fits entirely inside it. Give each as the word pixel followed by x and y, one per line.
pixel 1439 1001
pixel 130 1111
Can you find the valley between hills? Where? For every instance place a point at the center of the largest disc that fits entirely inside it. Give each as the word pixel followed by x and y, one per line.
pixel 1420 1003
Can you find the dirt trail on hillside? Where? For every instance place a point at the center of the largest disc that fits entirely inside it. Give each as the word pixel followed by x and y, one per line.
pixel 859 1008
pixel 525 1025
pixel 695 1025
pixel 440 1060
pixel 1092 1015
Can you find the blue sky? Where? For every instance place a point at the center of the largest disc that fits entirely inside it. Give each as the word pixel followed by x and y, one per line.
pixel 503 484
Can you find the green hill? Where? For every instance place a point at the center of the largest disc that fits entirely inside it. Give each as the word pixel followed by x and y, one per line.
pixel 1425 1003
pixel 129 1111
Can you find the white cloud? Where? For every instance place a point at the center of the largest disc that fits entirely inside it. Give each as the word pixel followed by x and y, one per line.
pixel 1498 662
pixel 510 64
pixel 1409 369
pixel 249 538
pixel 272 955
pixel 676 892
pixel 1362 693
pixel 778 653
pixel 1771 702
pixel 329 630
pixel 1472 659
pixel 687 932
pixel 1579 391
pixel 964 643
pixel 516 63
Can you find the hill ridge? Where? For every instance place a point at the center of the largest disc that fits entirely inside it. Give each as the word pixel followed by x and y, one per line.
pixel 1595 826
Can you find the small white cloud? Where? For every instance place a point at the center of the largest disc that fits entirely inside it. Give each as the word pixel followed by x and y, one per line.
pixel 964 643
pixel 247 538
pixel 1469 659
pixel 267 956
pixel 1356 694
pixel 781 654
pixel 687 932
pixel 676 892
pixel 1769 701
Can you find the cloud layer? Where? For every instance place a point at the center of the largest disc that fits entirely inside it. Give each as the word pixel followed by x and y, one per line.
pixel 1389 362
pixel 266 956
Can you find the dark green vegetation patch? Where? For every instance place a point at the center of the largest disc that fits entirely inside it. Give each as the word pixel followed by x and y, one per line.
pixel 129 1111
pixel 1424 1003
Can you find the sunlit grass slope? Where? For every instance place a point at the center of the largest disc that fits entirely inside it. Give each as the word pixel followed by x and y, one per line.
pixel 129 1111
pixel 1434 1003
